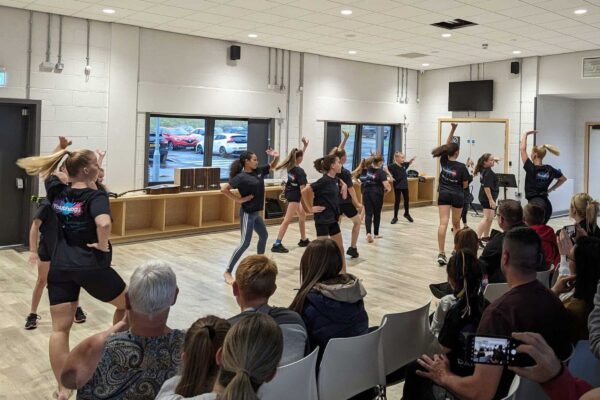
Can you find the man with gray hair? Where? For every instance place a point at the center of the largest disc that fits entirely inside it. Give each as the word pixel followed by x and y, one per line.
pixel 133 358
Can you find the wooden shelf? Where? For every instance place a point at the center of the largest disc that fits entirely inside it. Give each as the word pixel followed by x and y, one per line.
pixel 143 232
pixel 216 223
pixel 182 227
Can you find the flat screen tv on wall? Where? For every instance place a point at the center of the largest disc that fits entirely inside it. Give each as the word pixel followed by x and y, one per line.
pixel 471 96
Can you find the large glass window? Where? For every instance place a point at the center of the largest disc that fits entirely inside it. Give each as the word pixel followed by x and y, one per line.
pixel 351 129
pixel 179 144
pixel 230 140
pixel 375 139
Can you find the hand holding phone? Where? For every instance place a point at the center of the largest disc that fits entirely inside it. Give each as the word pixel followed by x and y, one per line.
pixel 498 350
pixel 547 365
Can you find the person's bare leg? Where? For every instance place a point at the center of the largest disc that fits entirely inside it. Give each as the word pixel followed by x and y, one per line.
pixel 444 212
pixel 355 230
pixel 287 220
pixel 337 238
pixel 456 214
pixel 120 307
pixel 483 229
pixel 40 284
pixel 302 221
pixel 62 320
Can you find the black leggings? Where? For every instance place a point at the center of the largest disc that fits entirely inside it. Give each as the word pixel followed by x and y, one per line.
pixel 544 203
pixel 397 194
pixel 373 203
pixel 464 213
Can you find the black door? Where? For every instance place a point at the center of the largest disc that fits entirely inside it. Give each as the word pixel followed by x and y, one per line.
pixel 13 139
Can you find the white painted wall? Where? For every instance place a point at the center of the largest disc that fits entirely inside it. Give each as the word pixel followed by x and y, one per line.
pixel 561 75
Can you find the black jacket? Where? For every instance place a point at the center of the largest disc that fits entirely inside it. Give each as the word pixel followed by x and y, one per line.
pixel 491 256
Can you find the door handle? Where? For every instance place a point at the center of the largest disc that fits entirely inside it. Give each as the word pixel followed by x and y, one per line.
pixel 20 183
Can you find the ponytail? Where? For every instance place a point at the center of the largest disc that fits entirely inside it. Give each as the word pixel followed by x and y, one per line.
pixel 324 164
pixel 585 207
pixel 291 160
pixel 480 162
pixel 552 149
pixel 447 150
pixel 540 151
pixel 358 171
pixel 199 368
pixel 238 165
pixel 42 165
pixel 591 215
pixel 336 151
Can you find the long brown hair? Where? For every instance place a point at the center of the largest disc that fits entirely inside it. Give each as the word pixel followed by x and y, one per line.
pixel 540 151
pixel 464 271
pixel 74 161
pixel 336 151
pixel 449 150
pixel 291 160
pixel 199 368
pixel 321 261
pixel 324 164
pixel 466 239
pixel 251 352
pixel 479 166
pixel 238 165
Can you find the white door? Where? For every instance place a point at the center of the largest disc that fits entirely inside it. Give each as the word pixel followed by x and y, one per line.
pixel 594 164
pixel 486 137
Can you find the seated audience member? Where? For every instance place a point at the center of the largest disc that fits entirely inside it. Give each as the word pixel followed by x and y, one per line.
pixel 533 215
pixel 460 323
pixel 249 357
pixel 132 359
pixel 199 367
pixel 594 324
pixel 510 216
pixel 254 284
pixel 331 303
pixel 527 307
pixel 584 266
pixel 549 372
pixel 584 210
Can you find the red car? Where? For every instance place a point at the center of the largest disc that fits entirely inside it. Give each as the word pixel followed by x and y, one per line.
pixel 178 138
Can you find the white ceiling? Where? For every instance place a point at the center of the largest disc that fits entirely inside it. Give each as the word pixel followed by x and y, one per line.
pixel 381 28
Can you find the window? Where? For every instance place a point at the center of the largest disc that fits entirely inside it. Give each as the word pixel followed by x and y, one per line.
pixel 230 140
pixel 351 129
pixel 376 139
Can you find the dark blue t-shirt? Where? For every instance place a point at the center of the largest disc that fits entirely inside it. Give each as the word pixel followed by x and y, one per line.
pixel 251 183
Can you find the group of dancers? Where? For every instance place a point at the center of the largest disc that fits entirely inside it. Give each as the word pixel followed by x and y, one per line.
pixel 332 196
pixel 453 185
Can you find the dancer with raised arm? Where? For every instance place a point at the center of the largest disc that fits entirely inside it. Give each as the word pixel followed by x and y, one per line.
pixel 397 170
pixel 488 192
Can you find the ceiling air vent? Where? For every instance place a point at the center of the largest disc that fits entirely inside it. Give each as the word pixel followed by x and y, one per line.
pixel 454 24
pixel 411 55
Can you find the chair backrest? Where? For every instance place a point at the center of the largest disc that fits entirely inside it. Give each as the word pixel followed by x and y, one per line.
pixel 351 366
pixel 494 291
pixel 295 381
pixel 584 364
pixel 514 386
pixel 544 277
pixel 405 337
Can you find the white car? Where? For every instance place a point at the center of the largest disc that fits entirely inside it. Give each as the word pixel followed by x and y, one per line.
pixel 225 144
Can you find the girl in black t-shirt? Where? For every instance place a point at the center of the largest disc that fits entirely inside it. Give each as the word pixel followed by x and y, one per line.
pixel 82 253
pixel 488 192
pixel 397 170
pixel 246 176
pixel 539 176
pixel 373 189
pixel 327 191
pixel 296 180
pixel 453 180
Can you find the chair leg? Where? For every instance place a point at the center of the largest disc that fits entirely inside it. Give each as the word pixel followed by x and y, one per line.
pixel 382 392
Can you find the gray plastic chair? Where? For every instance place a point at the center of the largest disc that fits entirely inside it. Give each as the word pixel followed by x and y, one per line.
pixel 494 291
pixel 351 366
pixel 544 277
pixel 530 390
pixel 514 386
pixel 295 381
pixel 584 364
pixel 405 337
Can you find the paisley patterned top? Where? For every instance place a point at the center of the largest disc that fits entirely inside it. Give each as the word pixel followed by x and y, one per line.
pixel 134 367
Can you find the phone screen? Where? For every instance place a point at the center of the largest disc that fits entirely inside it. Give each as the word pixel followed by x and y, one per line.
pixel 498 351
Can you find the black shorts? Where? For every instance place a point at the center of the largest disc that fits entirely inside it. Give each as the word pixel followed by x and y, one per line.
pixel 348 210
pixel 104 284
pixel 485 203
pixel 293 197
pixel 43 251
pixel 456 200
pixel 328 229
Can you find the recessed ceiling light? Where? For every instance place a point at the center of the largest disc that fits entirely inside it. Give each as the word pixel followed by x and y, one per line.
pixel 351 51
pixel 252 35
pixel 346 12
pixel 580 11
pixel 517 52
pixel 425 64
pixel 446 35
pixel 108 11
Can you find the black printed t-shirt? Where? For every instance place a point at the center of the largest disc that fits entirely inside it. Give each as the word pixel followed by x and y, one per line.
pixel 252 183
pixel 398 172
pixel 346 177
pixel 296 177
pixel 489 180
pixel 327 194
pixel 374 179
pixel 49 223
pixel 538 178
pixel 452 176
pixel 76 210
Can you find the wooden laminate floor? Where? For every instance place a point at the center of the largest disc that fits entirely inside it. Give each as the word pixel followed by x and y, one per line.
pixel 395 270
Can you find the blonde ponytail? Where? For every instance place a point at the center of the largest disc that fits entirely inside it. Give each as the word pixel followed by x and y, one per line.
pixel 42 165
pixel 541 150
pixel 585 207
pixel 591 215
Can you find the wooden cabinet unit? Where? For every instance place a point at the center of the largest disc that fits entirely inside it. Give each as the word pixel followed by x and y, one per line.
pixel 141 217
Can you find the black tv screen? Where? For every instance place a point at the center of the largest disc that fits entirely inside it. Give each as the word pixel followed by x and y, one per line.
pixel 471 96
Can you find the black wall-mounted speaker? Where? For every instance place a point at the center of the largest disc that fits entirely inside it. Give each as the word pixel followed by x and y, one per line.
pixel 235 52
pixel 514 67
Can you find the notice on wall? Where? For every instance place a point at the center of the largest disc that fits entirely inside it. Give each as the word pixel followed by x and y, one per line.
pixel 591 67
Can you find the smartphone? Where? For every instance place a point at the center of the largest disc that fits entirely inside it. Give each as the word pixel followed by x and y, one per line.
pixel 498 350
pixel 571 231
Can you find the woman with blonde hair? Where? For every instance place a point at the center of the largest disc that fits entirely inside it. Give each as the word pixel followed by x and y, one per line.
pixel 539 176
pixel 584 210
pixel 82 254
pixel 296 181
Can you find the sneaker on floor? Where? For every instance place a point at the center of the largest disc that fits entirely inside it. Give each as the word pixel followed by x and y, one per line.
pixel 378 236
pixel 303 243
pixel 408 217
pixel 369 238
pixel 31 321
pixel 80 316
pixel 352 252
pixel 394 220
pixel 278 248
pixel 441 259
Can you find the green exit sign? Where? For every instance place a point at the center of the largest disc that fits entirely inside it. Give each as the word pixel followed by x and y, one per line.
pixel 2 77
